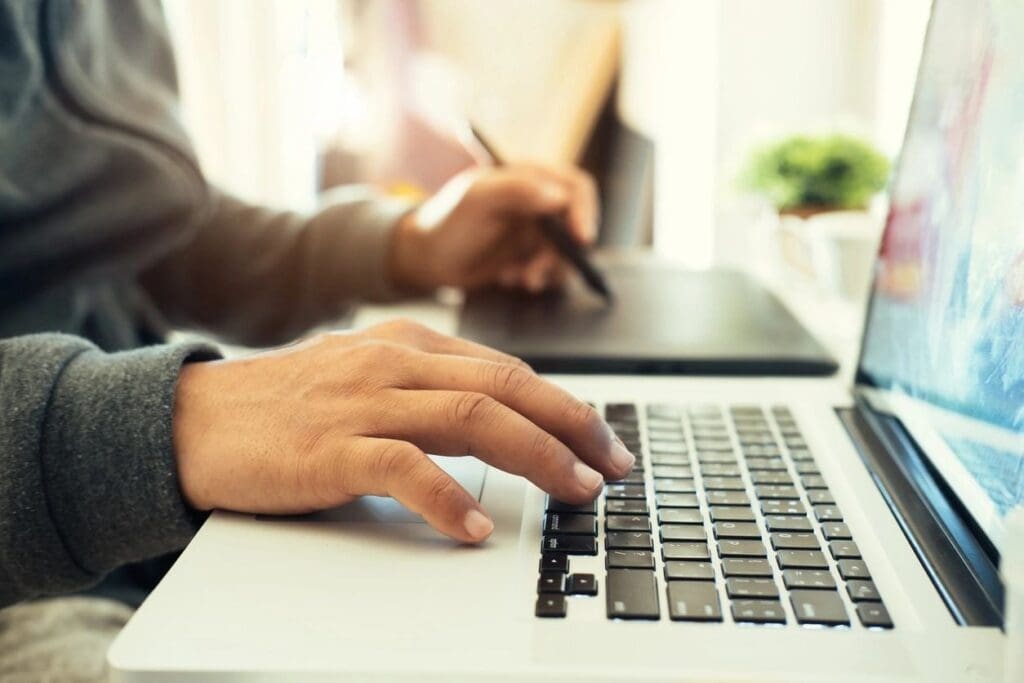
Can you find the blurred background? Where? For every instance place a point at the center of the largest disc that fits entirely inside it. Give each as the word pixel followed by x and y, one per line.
pixel 668 102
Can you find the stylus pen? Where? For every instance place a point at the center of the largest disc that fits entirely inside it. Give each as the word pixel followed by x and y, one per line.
pixel 557 233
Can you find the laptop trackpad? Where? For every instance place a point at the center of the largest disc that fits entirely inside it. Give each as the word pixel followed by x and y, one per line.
pixel 468 471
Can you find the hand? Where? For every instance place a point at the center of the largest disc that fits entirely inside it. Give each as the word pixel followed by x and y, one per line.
pixel 480 229
pixel 317 424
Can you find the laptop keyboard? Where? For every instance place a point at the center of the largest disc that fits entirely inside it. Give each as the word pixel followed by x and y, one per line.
pixel 728 507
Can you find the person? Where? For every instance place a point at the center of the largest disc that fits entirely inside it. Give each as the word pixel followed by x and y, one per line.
pixel 114 445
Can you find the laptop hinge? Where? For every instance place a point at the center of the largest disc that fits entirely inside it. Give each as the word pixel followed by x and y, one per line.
pixel 941 534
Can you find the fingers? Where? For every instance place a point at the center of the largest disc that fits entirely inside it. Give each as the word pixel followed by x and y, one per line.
pixel 423 338
pixel 519 190
pixel 467 423
pixel 551 408
pixel 582 210
pixel 541 271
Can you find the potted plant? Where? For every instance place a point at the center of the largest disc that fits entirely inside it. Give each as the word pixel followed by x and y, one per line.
pixel 822 188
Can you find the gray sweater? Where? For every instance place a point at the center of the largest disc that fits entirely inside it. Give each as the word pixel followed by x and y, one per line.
pixel 109 235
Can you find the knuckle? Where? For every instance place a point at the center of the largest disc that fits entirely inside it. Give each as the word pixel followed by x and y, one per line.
pixel 580 415
pixel 471 408
pixel 544 446
pixel 440 489
pixel 395 460
pixel 510 379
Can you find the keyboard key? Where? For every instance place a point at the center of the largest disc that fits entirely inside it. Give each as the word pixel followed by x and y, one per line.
pixel 734 566
pixel 818 607
pixel 794 541
pixel 573 545
pixel 713 445
pixel 766 477
pixel 874 615
pixel 801 559
pixel 766 464
pixel 682 532
pixel 689 571
pixel 629 559
pixel 663 411
pixel 776 523
pixel 581 584
pixel 628 540
pixel 693 601
pixel 760 451
pixel 614 411
pixel 853 569
pixel 715 458
pixel 808 578
pixel 551 582
pixel 550 606
pixel 836 531
pixel 628 491
pixel 674 486
pixel 671 472
pixel 783 507
pixel 670 459
pixel 717 470
pixel 725 513
pixel 631 594
pixel 813 481
pixel 558 562
pixel 624 523
pixel 862 590
pixel 558 506
pixel 800 455
pixel 680 516
pixel 723 484
pixel 674 447
pixel 730 547
pixel 727 498
pixel 758 612
pixel 844 550
pixel 673 434
pixel 736 530
pixel 827 513
pixel 634 477
pixel 806 467
pixel 820 497
pixel 679 550
pixel 751 588
pixel 676 500
pixel 776 492
pixel 570 523
pixel 664 423
pixel 625 507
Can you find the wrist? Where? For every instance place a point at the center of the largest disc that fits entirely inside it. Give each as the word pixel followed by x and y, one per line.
pixel 190 431
pixel 409 259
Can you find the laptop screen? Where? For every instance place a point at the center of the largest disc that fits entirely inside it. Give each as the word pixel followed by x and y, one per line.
pixel 944 341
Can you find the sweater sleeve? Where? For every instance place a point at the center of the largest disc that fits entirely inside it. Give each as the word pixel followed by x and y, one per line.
pixel 87 474
pixel 258 276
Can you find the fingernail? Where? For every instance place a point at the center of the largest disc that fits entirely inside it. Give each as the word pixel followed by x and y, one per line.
pixel 622 458
pixel 478 525
pixel 588 478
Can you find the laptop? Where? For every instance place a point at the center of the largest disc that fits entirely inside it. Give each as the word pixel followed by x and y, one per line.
pixel 774 529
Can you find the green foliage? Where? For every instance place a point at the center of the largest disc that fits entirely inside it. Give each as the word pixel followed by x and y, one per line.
pixel 831 172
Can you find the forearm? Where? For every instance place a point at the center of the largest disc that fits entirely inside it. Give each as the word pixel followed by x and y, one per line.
pixel 87 472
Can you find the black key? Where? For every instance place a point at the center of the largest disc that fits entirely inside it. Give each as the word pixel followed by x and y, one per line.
pixel 862 590
pixel 836 531
pixel 800 455
pixel 680 516
pixel 558 562
pixel 776 523
pixel 730 547
pixel 765 477
pixel 581 584
pixel 709 457
pixel 713 445
pixel 682 532
pixel 693 601
pixel 727 498
pixel 660 434
pixel 827 513
pixel 674 486
pixel 737 530
pixel 689 571
pixel 629 559
pixel 760 451
pixel 551 582
pixel 614 411
pixel 785 540
pixel 572 545
pixel 818 607
pixel 628 491
pixel 720 513
pixel 766 464
pixel 853 569
pixel 801 559
pixel 625 507
pixel 724 484
pixel 820 497
pixel 674 447
pixel 820 579
pixel 558 506
pixel 550 606
pixel 680 550
pixel 670 459
pixel 783 507
pixel 716 470
pixel 676 500
pixel 671 472
pixel 844 550
pixel 874 615
pixel 806 467
pixel 796 443
pixel 628 540
pixel 758 612
pixel 776 492
pixel 630 523
pixel 631 594
pixel 570 523
pixel 634 477
pixel 734 566
pixel 813 481
pixel 764 439
pixel 751 588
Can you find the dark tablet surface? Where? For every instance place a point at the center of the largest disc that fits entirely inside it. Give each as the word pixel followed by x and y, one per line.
pixel 665 320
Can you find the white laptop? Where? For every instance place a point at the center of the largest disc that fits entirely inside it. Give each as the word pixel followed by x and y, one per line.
pixel 773 530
